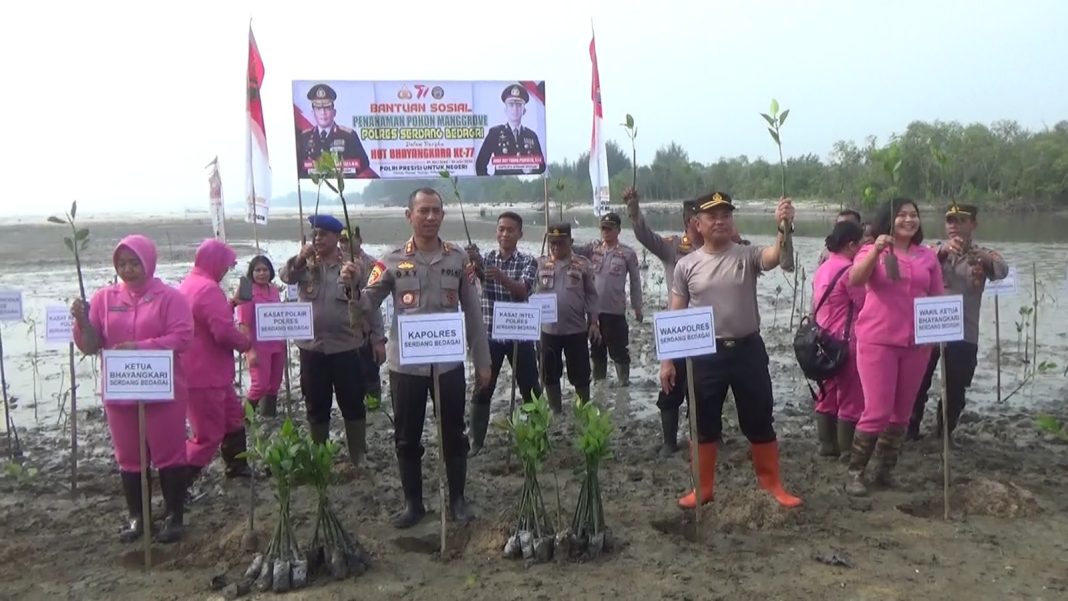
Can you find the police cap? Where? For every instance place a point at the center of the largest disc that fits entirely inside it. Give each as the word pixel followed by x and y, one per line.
pixel 959 210
pixel 611 219
pixel 559 231
pixel 326 223
pixel 714 200
pixel 515 91
pixel 322 96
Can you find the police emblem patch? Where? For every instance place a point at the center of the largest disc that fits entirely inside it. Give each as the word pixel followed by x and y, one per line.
pixel 407 298
pixel 376 272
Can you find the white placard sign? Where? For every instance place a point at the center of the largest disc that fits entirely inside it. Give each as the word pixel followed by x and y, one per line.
pixel 431 338
pixel 292 292
pixel 516 321
pixel 10 305
pixel 939 319
pixel 138 375
pixel 1004 287
pixel 684 333
pixel 59 324
pixel 284 321
pixel 547 302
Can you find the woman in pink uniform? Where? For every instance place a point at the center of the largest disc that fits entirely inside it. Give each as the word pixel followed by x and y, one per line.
pixel 266 360
pixel 216 416
pixel 896 270
pixel 840 400
pixel 141 312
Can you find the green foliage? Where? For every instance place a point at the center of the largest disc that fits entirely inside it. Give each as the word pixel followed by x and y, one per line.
pixel 594 430
pixel 530 431
pixel 1051 425
pixel 21 474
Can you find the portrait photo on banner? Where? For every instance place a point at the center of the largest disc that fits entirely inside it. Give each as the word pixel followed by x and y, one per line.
pixel 417 129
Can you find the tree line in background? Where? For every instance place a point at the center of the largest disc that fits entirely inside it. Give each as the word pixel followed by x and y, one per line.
pixel 1002 164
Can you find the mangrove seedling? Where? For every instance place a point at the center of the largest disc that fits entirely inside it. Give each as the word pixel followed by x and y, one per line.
pixel 456 192
pixel 283 566
pixel 332 547
pixel 775 122
pixel 532 537
pixel 588 530
pixel 76 243
pixel 632 133
pixel 1051 425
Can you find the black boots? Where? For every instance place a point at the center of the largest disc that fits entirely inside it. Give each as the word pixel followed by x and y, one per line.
pixel 555 397
pixel 600 369
pixel 411 475
pixel 356 437
pixel 480 416
pixel 583 392
pixel 456 472
pixel 669 424
pixel 131 488
pixel 173 482
pixel 232 449
pixel 623 374
pixel 827 433
pixel 320 432
pixel 269 406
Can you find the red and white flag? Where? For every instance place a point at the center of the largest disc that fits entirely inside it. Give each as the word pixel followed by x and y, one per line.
pixel 218 213
pixel 258 181
pixel 598 154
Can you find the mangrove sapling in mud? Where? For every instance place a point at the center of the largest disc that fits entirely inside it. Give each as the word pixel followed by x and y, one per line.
pixel 532 536
pixel 1051 425
pixel 283 566
pixel 333 548
pixel 459 200
pixel 589 534
pixel 250 540
pixel 775 122
pixel 35 363
pixel 632 133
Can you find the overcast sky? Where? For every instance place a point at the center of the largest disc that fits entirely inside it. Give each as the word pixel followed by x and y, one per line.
pixel 120 104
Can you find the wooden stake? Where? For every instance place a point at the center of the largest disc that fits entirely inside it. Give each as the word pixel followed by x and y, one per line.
pixel 1034 349
pixel 793 302
pixel 695 462
pixel 9 422
pixel 511 404
pixel 441 453
pixel 73 423
pixel 997 342
pixel 945 434
pixel 300 212
pixel 146 502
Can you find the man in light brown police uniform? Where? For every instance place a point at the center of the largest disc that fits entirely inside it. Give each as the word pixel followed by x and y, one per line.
pixel 613 264
pixel 570 277
pixel 669 249
pixel 427 275
pixel 330 363
pixel 373 353
pixel 723 275
pixel 966 268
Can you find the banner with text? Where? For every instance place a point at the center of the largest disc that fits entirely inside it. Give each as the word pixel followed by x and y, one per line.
pixel 939 319
pixel 59 324
pixel 431 338
pixel 417 129
pixel 284 321
pixel 684 333
pixel 138 375
pixel 516 321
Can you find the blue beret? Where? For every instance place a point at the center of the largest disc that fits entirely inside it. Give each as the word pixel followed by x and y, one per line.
pixel 326 222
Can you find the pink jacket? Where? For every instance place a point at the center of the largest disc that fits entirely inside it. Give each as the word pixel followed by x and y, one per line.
pixel 246 316
pixel 210 360
pixel 832 315
pixel 152 314
pixel 887 316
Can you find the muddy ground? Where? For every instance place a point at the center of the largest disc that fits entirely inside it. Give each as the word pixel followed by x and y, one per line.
pixel 1007 536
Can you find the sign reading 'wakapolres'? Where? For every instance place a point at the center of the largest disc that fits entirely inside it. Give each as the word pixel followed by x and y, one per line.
pixel 431 338
pixel 684 333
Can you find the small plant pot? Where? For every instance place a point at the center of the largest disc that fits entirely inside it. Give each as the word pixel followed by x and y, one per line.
pixel 266 577
pixel 579 545
pixel 254 568
pixel 300 573
pixel 596 545
pixel 563 545
pixel 526 541
pixel 512 547
pixel 281 576
pixel 543 549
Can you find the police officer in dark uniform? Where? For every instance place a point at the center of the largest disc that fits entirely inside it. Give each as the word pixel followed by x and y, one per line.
pixel 511 141
pixel 328 136
pixel 427 275
pixel 669 249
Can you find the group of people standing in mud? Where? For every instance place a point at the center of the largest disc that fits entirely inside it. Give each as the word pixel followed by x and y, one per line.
pixel 860 294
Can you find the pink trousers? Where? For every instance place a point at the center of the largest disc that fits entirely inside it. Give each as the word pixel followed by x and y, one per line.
pixel 842 395
pixel 266 376
pixel 890 377
pixel 213 412
pixel 164 434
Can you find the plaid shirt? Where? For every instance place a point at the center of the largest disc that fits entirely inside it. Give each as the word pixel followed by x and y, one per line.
pixel 519 267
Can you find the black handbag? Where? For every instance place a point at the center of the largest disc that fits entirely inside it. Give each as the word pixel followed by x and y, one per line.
pixel 819 353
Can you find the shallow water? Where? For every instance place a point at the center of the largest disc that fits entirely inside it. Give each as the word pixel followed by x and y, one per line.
pixel 47 277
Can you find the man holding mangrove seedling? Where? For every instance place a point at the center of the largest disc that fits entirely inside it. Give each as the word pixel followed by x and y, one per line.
pixel 966 267
pixel 570 277
pixel 373 352
pixel 723 275
pixel 508 276
pixel 330 363
pixel 613 263
pixel 427 275
pixel 669 249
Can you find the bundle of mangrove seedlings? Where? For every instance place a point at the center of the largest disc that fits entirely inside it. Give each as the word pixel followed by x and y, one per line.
pixel 283 566
pixel 532 537
pixel 333 549
pixel 588 533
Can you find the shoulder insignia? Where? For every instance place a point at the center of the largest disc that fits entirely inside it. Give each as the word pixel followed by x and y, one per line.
pixel 406 265
pixel 409 247
pixel 376 272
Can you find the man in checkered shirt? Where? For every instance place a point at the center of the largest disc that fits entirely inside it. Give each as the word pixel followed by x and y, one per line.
pixel 507 275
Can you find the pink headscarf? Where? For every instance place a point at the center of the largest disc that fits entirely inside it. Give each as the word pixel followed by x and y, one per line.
pixel 145 250
pixel 214 259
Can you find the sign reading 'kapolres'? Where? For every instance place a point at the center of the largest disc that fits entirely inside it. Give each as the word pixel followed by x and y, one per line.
pixel 431 338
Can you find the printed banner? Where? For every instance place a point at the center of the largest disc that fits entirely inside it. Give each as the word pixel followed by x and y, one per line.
pixel 215 200
pixel 417 129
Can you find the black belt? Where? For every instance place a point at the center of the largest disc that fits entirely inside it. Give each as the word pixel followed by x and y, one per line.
pixel 729 343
